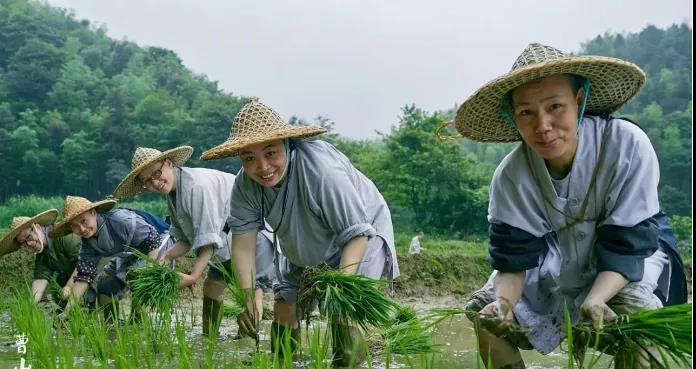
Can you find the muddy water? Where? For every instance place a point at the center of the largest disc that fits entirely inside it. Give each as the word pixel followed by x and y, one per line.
pixel 455 337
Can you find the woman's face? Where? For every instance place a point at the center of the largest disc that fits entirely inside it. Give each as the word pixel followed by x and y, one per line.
pixel 31 239
pixel 85 224
pixel 264 162
pixel 546 114
pixel 158 177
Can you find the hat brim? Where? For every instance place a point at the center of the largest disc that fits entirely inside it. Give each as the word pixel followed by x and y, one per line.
pixel 614 82
pixel 8 243
pixel 61 228
pixel 129 186
pixel 233 146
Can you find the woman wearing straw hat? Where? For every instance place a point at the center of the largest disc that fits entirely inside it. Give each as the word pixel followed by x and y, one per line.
pixel 199 202
pixel 322 209
pixel 574 214
pixel 56 257
pixel 105 234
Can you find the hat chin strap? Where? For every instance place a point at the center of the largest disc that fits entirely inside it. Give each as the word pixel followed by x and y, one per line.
pixel 586 93
pixel 286 147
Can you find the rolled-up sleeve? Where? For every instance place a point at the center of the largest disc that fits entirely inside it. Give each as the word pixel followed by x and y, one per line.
pixel 514 250
pixel 623 249
pixel 207 217
pixel 342 208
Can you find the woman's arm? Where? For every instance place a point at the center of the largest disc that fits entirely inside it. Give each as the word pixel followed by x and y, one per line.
pixel 352 254
pixel 38 287
pixel 179 249
pixel 69 284
pixel 204 256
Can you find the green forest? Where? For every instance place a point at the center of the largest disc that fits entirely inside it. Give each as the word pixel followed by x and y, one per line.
pixel 74 104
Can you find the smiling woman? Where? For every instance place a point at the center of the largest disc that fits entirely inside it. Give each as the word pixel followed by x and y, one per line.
pixel 321 208
pixel 105 234
pixel 575 221
pixel 55 258
pixel 265 162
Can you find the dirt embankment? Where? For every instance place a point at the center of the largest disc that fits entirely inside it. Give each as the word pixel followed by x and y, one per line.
pixel 422 276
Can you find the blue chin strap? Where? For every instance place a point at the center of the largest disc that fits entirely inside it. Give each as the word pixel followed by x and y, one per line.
pixel 586 85
pixel 286 147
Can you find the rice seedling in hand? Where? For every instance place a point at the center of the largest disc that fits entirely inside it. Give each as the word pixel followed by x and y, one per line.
pixel 155 286
pixel 667 330
pixel 355 298
pixel 408 334
pixel 231 310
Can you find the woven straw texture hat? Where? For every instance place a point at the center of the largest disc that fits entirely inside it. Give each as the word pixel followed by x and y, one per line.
pixel 8 243
pixel 614 82
pixel 254 124
pixel 73 207
pixel 143 157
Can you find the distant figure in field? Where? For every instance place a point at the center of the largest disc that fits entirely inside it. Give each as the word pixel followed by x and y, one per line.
pixel 415 247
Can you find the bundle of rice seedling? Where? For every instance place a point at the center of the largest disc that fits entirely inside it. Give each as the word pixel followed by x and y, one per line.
pixel 668 330
pixel 407 334
pixel 354 298
pixel 155 287
pixel 231 310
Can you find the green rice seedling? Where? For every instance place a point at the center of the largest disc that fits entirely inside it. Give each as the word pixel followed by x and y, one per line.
pixel 95 336
pixel 668 330
pixel 184 350
pixel 155 286
pixel 406 335
pixel 66 358
pixel 355 298
pixel 239 296
pixel 410 337
pixel 318 349
pixel 234 286
pixel 231 310
pixel 31 322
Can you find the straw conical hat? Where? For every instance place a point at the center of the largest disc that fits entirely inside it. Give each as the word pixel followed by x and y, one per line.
pixel 143 157
pixel 8 243
pixel 254 124
pixel 614 82
pixel 73 207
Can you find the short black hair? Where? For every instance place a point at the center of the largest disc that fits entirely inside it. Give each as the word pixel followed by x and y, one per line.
pixel 576 83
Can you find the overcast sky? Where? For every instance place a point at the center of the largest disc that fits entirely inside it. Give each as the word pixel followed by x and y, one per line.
pixel 358 62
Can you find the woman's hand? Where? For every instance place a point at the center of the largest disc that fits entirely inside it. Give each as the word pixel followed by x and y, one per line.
pixel 66 292
pixel 598 312
pixel 249 319
pixel 497 316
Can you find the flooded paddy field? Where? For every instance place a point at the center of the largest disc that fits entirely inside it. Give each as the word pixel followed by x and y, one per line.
pixel 180 344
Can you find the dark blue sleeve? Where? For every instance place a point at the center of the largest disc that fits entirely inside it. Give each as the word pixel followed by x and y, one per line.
pixel 513 250
pixel 678 292
pixel 623 249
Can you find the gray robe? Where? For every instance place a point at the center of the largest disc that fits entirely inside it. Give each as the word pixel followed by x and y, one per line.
pixel 323 203
pixel 200 207
pixel 625 195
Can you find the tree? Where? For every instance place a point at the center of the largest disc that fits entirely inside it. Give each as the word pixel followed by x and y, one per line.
pixel 77 163
pixel 31 72
pixel 436 187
